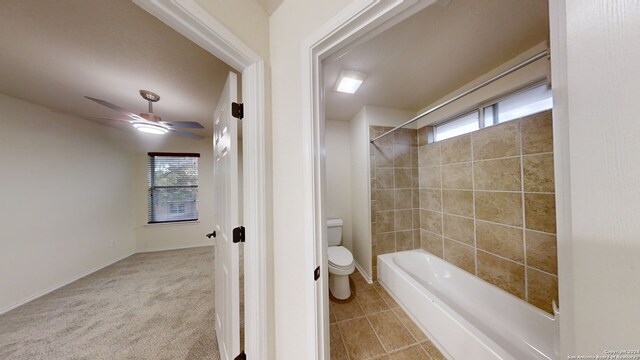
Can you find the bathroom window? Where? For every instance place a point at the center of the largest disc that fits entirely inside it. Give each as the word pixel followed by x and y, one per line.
pixel 173 187
pixel 522 103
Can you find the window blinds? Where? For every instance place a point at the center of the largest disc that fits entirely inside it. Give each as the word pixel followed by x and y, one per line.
pixel 173 187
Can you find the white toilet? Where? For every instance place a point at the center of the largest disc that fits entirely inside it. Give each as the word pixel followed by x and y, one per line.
pixel 341 263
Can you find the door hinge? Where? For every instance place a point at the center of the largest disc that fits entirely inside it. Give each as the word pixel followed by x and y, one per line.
pixel 241 356
pixel 237 110
pixel 316 274
pixel 238 234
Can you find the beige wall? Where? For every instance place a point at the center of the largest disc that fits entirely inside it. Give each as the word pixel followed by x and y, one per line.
pixel 596 131
pixel 487 205
pixel 338 173
pixel 66 194
pixel 154 237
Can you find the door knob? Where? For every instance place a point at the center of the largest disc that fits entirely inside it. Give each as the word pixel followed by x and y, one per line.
pixel 213 234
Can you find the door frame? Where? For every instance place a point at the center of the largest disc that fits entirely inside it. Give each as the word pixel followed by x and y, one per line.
pixel 189 19
pixel 357 23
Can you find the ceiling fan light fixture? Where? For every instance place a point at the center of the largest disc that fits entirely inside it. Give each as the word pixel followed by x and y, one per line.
pixel 349 81
pixel 150 128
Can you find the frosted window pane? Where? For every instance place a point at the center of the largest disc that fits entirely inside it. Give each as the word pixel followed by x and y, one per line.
pixel 462 125
pixel 525 103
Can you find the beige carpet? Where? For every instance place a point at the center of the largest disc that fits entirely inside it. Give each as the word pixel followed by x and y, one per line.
pixel 148 306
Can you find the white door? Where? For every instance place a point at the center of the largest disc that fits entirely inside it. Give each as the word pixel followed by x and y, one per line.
pixel 225 177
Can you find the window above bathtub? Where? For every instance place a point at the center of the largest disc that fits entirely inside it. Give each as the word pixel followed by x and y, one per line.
pixel 523 102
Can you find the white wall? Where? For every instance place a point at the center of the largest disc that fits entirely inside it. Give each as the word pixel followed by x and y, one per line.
pixel 595 64
pixel 290 24
pixel 338 172
pixel 66 195
pixel 534 72
pixel 154 237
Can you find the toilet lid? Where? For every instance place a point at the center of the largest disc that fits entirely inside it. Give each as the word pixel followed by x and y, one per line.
pixel 339 256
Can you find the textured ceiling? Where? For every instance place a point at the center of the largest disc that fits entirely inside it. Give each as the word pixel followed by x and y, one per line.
pixel 434 52
pixel 55 52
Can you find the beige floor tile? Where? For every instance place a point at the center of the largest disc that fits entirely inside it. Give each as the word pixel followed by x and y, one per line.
pixel 338 351
pixel 346 310
pixel 413 353
pixel 360 340
pixel 358 281
pixel 385 295
pixel 411 326
pixel 392 333
pixel 432 350
pixel 370 301
pixel 332 315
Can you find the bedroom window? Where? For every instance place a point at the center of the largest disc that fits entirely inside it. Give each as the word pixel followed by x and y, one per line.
pixel 173 187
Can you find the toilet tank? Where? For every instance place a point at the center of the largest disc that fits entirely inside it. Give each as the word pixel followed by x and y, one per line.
pixel 334 232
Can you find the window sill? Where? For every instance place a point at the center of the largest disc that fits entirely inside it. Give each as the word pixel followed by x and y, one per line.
pixel 175 223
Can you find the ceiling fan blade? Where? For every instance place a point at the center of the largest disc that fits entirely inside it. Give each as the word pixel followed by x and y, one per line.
pixel 187 134
pixel 103 118
pixel 116 108
pixel 183 124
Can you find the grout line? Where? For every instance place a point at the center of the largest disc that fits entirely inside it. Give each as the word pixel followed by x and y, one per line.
pixel 524 222
pixel 441 201
pixel 499 158
pixel 341 338
pixel 473 200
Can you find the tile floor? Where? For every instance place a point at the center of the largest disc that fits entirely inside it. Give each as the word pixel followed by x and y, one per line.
pixel 371 325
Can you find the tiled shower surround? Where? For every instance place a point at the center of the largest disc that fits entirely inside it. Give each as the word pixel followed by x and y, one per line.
pixel 485 203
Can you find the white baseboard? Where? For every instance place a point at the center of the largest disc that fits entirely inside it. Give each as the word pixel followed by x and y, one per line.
pixel 172 248
pixel 369 279
pixel 57 286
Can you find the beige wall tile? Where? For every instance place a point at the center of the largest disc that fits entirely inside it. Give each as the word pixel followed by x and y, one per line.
pixel 390 330
pixel 384 199
pixel 403 199
pixel 538 173
pixel 415 178
pixel 414 156
pixel 537 133
pixel 457 202
pixel 431 221
pixel 457 149
pixel 540 212
pixel 498 174
pixel 402 155
pixel 496 141
pixel 405 136
pixel 383 155
pixel 431 199
pixel 500 240
pixel 404 240
pixel 460 255
pixel 385 221
pixel 431 242
pixel 402 178
pixel 542 289
pixel 542 251
pixel 359 339
pixel 457 176
pixel 404 220
pixel 500 207
pixel 422 135
pixel 429 155
pixel 502 273
pixel 383 244
pixel 458 228
pixel 384 178
pixel 415 196
pixel 430 177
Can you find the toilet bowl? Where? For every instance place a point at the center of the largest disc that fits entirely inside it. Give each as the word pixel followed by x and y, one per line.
pixel 340 261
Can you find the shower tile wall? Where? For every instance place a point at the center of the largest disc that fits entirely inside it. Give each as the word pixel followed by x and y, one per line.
pixel 395 218
pixel 487 205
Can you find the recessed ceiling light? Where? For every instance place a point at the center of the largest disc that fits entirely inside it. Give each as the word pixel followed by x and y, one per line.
pixel 150 128
pixel 349 81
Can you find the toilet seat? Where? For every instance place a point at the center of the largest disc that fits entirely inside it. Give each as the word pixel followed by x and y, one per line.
pixel 339 257
pixel 340 260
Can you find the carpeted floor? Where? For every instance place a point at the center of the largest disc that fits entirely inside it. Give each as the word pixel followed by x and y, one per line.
pixel 148 306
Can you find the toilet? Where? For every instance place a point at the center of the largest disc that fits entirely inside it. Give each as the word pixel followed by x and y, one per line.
pixel 341 263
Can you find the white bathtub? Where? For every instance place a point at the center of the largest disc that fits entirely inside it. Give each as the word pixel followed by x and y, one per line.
pixel 466 317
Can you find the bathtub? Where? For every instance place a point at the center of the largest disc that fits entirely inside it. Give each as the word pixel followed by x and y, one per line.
pixel 464 316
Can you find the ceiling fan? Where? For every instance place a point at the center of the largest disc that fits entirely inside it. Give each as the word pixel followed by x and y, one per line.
pixel 149 122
